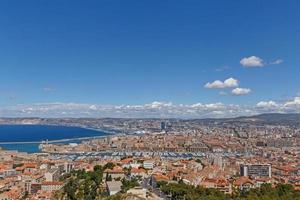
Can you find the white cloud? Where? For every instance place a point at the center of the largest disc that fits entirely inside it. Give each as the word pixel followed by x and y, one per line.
pixel 267 104
pixel 228 83
pixel 293 103
pixel 155 109
pixel 276 62
pixel 152 110
pixel 215 84
pixel 240 91
pixel 255 61
pixel 289 106
pixel 93 107
pixel 252 61
pixel 158 105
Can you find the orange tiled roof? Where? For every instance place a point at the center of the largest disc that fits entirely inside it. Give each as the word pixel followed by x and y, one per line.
pixel 160 177
pixel 30 165
pixel 297 187
pixel 126 160
pixel 137 170
pixel 19 168
pixel 52 183
pixel 242 180
pixel 286 168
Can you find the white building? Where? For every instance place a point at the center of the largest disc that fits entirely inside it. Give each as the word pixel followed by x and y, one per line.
pixel 113 187
pixel 51 186
pixel 148 164
pixel 256 170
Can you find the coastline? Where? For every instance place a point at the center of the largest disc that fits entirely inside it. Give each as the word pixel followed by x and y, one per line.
pixel 55 141
pixel 33 146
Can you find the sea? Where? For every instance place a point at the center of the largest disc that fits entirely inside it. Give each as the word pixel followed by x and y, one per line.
pixel 36 133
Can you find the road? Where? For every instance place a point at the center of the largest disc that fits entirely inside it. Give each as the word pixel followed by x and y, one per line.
pixel 146 184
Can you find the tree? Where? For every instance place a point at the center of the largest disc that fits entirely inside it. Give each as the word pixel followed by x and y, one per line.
pixel 266 192
pixel 108 178
pixel 70 189
pixel 127 184
pixel 98 168
pixel 109 166
pixel 84 185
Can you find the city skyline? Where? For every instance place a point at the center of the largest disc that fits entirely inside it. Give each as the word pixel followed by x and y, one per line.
pixel 159 59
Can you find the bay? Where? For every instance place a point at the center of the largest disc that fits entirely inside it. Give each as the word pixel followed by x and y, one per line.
pixel 36 133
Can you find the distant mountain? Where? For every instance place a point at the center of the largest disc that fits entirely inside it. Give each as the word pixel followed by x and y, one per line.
pixel 273 118
pixel 262 119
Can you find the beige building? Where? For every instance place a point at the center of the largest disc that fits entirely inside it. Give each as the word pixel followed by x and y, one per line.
pixel 52 175
pixel 51 186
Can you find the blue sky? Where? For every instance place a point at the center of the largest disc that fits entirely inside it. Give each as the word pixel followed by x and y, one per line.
pixel 138 52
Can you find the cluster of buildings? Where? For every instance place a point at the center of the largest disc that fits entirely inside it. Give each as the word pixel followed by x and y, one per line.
pixel 225 156
pixel 23 174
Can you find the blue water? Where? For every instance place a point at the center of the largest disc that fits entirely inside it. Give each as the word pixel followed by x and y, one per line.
pixel 26 133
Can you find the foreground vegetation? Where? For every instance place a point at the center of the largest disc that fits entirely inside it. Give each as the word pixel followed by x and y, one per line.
pixel 182 191
pixel 83 185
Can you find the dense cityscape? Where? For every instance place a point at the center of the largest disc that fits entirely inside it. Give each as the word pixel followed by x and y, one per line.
pixel 149 158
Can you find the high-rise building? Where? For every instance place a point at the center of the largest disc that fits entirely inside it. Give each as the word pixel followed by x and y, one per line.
pixel 163 126
pixel 256 170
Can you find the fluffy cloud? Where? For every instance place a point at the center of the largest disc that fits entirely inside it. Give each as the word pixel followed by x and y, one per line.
pixel 267 104
pixel 240 91
pixel 293 103
pixel 228 83
pixel 289 106
pixel 252 61
pixel 269 107
pixel 151 110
